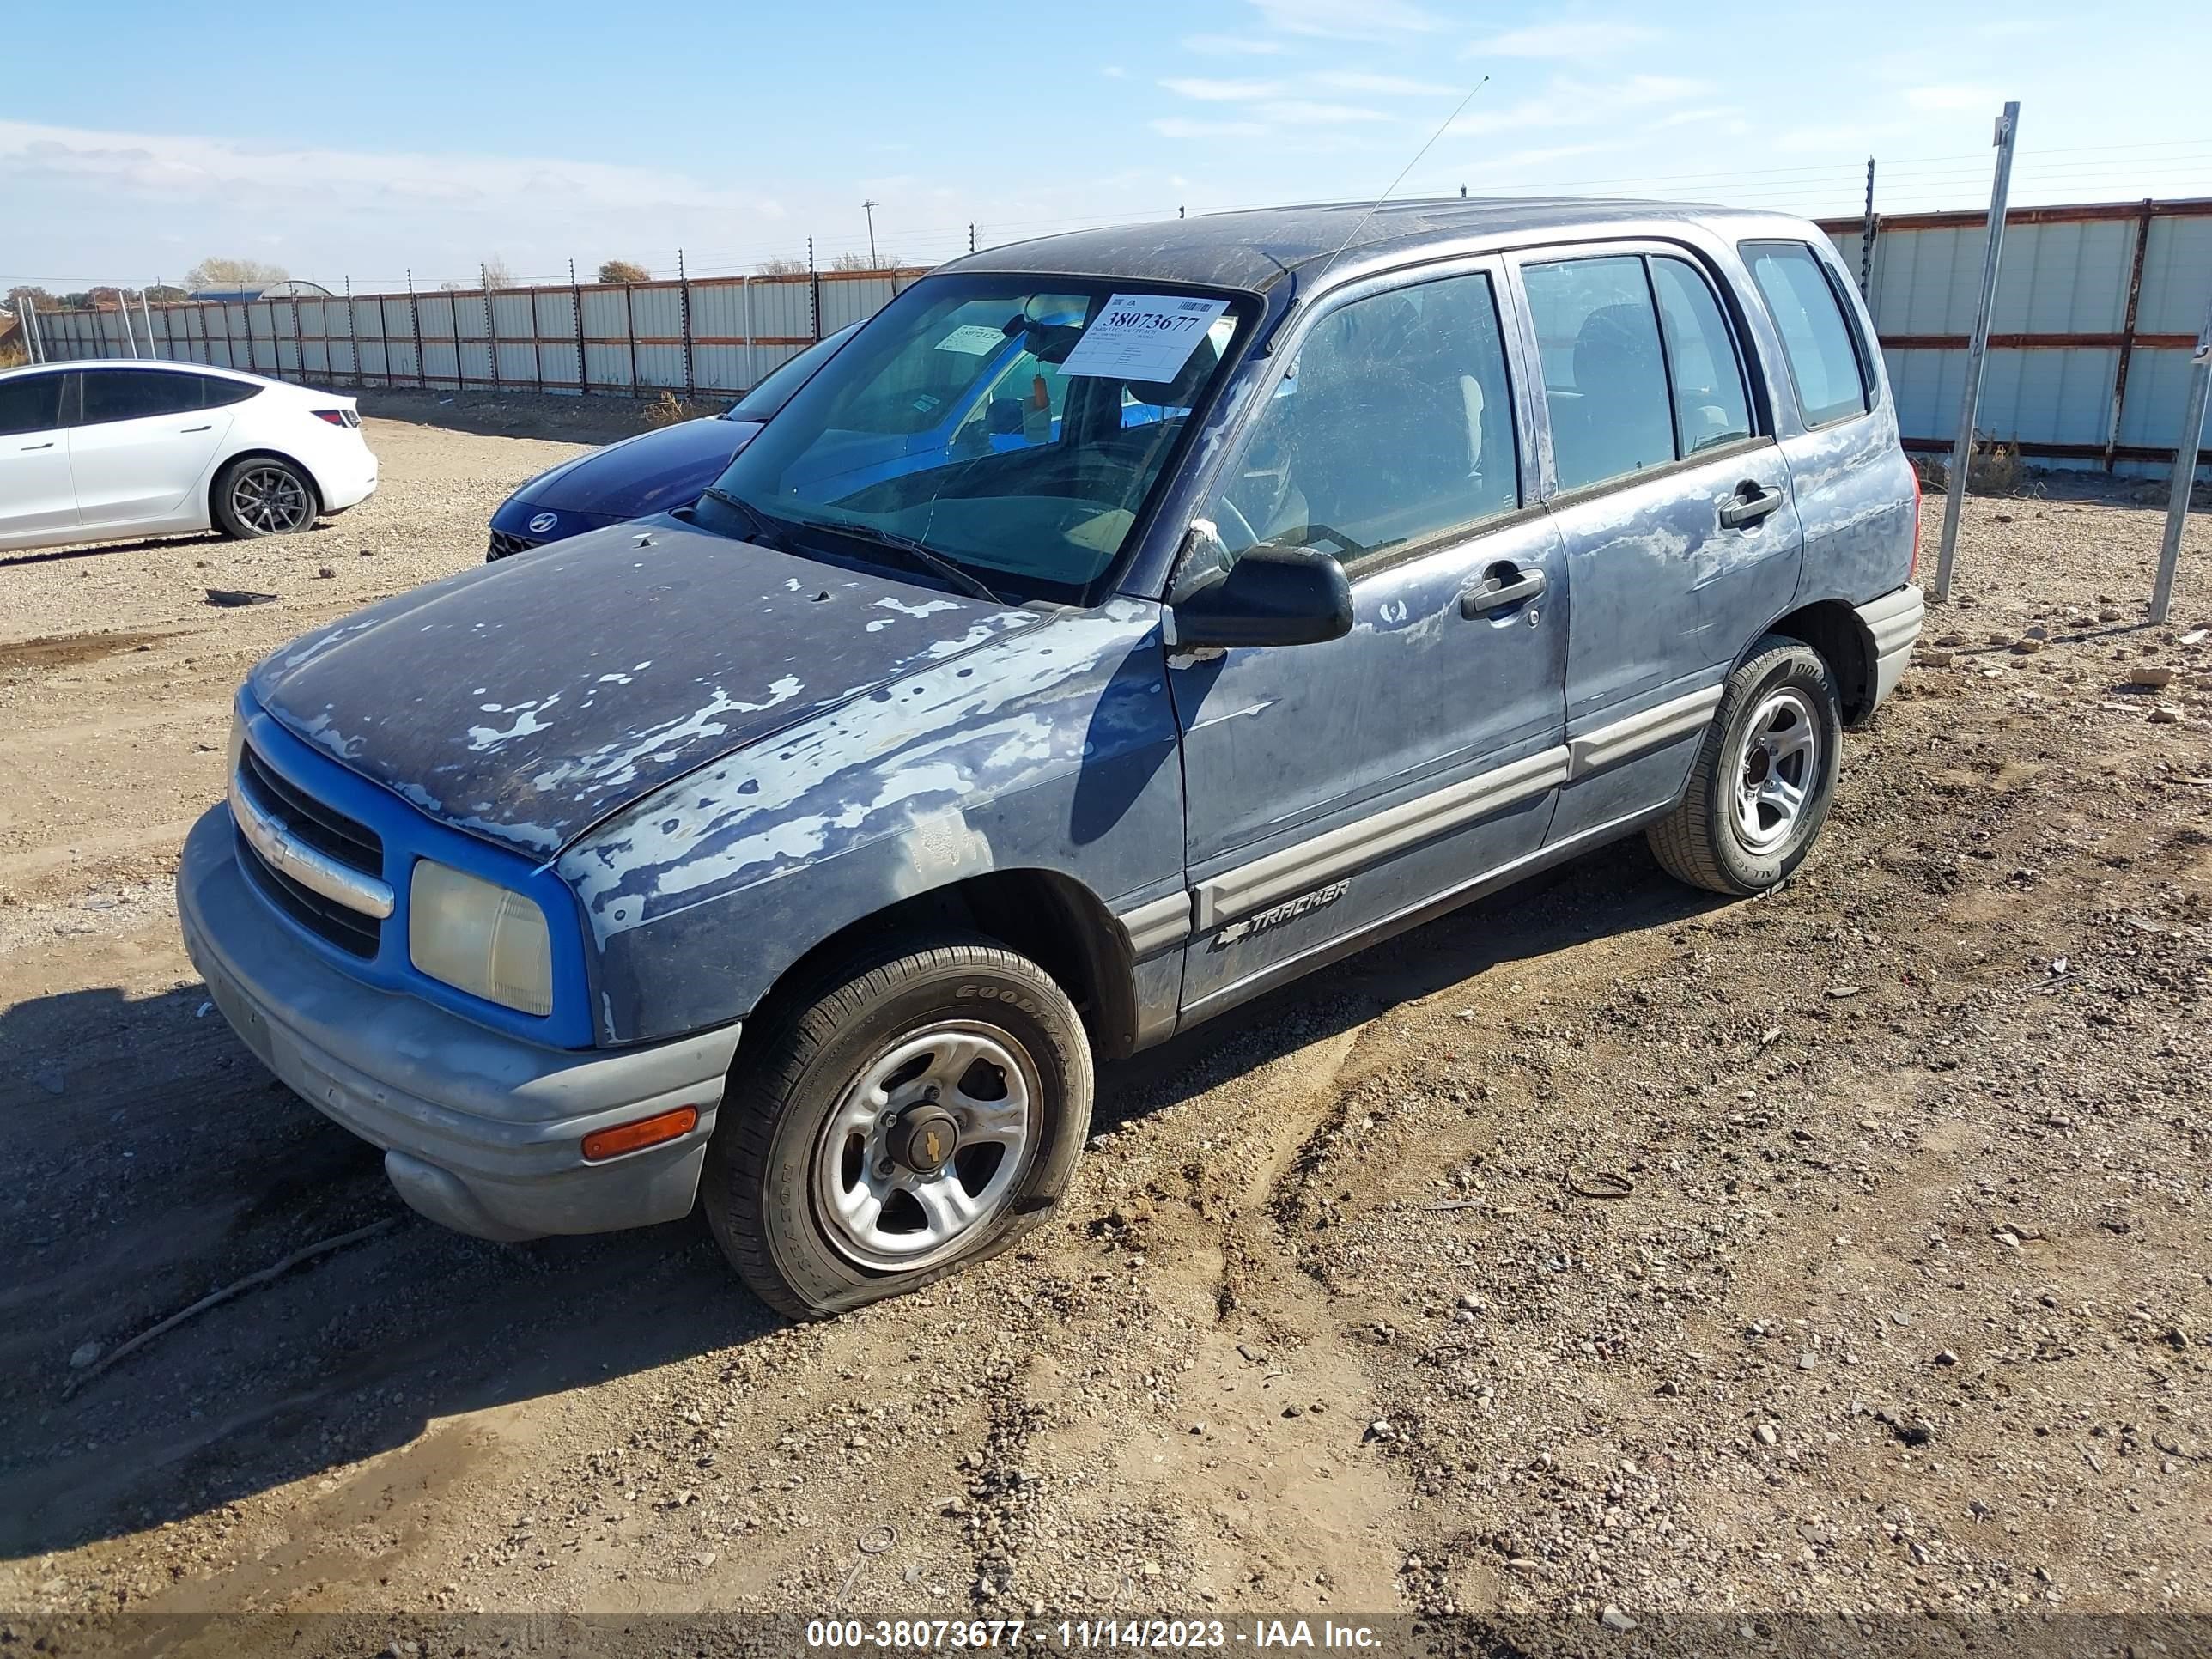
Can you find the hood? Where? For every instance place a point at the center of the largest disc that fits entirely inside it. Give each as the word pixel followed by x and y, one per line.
pixel 649 473
pixel 525 701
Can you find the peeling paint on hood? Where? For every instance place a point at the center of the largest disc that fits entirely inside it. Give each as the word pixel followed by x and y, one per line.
pixel 525 700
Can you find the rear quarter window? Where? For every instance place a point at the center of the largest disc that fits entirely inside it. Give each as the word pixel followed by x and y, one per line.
pixel 1817 337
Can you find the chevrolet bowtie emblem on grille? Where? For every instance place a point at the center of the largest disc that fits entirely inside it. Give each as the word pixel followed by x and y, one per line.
pixel 1288 910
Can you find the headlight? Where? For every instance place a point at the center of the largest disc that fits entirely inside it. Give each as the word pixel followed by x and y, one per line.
pixel 480 938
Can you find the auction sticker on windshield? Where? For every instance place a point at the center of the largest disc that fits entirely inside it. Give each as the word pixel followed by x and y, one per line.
pixel 975 338
pixel 1146 337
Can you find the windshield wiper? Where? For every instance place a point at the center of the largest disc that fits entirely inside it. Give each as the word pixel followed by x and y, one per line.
pixel 760 527
pixel 913 550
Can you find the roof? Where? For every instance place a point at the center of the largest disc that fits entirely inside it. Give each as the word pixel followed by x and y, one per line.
pixel 1255 247
pixel 290 286
pixel 215 369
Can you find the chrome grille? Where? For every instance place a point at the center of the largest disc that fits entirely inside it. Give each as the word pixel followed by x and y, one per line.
pixel 321 827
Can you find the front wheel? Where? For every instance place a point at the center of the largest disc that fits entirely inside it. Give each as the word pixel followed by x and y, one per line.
pixel 261 495
pixel 1764 778
pixel 914 1116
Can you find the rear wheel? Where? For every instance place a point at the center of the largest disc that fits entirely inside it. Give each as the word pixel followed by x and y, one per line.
pixel 261 495
pixel 1764 778
pixel 915 1114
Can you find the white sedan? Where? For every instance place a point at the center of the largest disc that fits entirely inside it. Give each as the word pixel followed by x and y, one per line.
pixel 91 450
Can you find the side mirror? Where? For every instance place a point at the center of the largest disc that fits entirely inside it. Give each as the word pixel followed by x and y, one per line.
pixel 1271 596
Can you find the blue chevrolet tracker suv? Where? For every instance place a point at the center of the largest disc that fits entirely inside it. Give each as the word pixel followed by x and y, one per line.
pixel 799 851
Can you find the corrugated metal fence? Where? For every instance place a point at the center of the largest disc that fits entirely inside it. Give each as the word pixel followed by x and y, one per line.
pixel 2097 310
pixel 717 336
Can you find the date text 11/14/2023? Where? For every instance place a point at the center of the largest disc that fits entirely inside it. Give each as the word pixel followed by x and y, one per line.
pixel 899 1635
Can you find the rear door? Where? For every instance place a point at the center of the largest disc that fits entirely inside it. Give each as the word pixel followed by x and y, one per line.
pixel 1333 790
pixel 142 444
pixel 38 501
pixel 1673 499
pixel 1848 475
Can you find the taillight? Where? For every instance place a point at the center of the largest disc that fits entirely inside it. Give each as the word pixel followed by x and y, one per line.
pixel 344 417
pixel 1913 575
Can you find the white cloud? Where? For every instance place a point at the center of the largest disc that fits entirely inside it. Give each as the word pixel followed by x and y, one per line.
pixel 1563 41
pixel 1397 86
pixel 1954 97
pixel 1307 112
pixel 1234 45
pixel 1176 127
pixel 1348 20
pixel 1222 92
pixel 1112 72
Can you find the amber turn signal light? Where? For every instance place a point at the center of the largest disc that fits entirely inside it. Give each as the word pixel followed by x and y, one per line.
pixel 646 1132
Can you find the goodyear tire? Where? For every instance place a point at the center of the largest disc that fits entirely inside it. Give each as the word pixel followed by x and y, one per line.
pixel 910 1115
pixel 1764 776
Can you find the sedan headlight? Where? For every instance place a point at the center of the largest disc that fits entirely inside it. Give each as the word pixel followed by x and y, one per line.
pixel 480 938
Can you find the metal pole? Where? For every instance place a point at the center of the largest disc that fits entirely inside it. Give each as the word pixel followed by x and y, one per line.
pixel 353 335
pixel 415 316
pixel 752 348
pixel 2185 470
pixel 813 294
pixel 683 294
pixel 130 334
pixel 1962 451
pixel 971 236
pixel 869 208
pixel 491 332
pixel 576 299
pixel 31 330
pixel 1866 240
pixel 146 311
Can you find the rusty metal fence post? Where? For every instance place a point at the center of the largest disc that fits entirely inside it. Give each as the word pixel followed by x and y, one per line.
pixel 683 301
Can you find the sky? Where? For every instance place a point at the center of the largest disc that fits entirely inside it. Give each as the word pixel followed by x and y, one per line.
pixel 367 142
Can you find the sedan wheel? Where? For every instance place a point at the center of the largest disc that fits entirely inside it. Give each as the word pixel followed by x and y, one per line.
pixel 263 496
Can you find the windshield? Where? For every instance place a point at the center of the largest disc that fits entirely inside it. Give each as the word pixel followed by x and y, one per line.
pixel 1014 426
pixel 780 383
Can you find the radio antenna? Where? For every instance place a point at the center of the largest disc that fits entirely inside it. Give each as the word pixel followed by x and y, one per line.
pixel 1376 205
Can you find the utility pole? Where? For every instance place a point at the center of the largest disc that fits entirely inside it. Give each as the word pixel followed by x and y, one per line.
pixel 869 208
pixel 1978 351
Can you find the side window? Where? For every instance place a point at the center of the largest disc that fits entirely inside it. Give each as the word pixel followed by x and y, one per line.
pixel 1824 359
pixel 32 403
pixel 220 394
pixel 1604 377
pixel 1394 425
pixel 131 394
pixel 1711 405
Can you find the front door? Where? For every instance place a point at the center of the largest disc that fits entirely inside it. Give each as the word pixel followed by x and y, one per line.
pixel 142 446
pixel 1333 789
pixel 38 502
pixel 1682 539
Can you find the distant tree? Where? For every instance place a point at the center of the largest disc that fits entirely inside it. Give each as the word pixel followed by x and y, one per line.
pixel 783 267
pixel 233 273
pixel 622 270
pixel 163 293
pixel 37 295
pixel 496 274
pixel 862 262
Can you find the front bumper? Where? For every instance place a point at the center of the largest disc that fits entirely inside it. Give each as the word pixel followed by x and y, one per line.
pixel 480 1132
pixel 1892 621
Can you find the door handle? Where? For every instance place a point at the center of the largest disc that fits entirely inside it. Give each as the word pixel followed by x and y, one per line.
pixel 1501 591
pixel 210 426
pixel 1751 502
pixel 27 448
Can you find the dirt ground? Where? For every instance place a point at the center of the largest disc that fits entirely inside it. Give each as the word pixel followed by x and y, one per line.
pixel 1905 1307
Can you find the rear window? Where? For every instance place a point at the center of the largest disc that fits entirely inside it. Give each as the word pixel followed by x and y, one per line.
pixel 1816 336
pixel 131 394
pixel 30 404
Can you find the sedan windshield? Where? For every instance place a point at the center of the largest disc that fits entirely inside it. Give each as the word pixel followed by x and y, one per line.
pixel 1014 426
